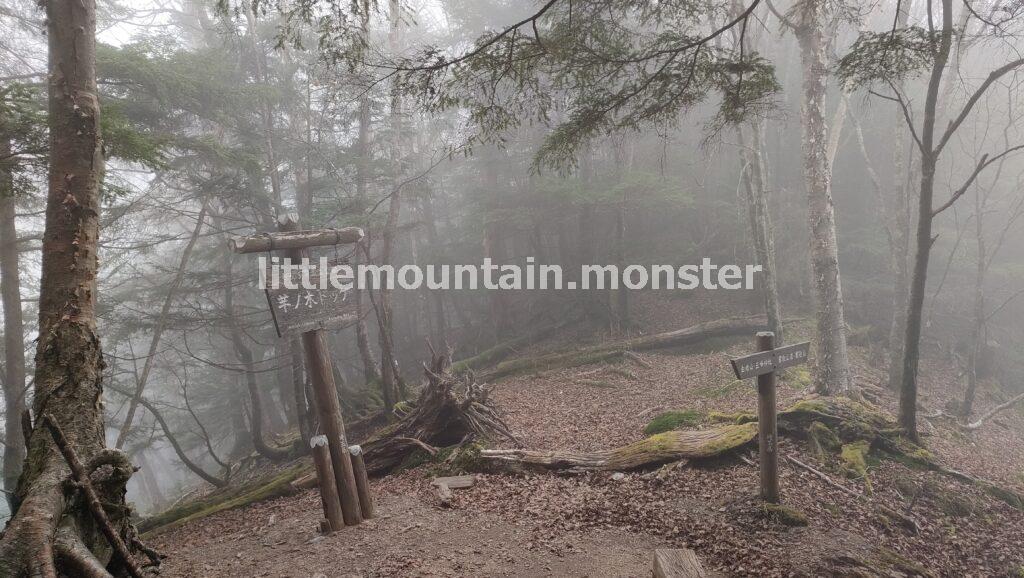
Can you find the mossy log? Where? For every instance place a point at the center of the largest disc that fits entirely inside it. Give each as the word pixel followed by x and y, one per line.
pixel 851 424
pixel 658 449
pixel 261 489
pixel 733 326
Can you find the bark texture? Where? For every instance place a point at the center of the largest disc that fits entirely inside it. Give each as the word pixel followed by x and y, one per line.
pixel 832 362
pixel 69 362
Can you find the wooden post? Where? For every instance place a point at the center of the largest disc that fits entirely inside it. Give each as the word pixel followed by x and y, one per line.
pixel 295 245
pixel 325 477
pixel 318 364
pixel 362 482
pixel 321 375
pixel 767 425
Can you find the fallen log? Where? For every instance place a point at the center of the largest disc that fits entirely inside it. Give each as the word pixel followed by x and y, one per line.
pixel 850 421
pixel 658 449
pixel 733 326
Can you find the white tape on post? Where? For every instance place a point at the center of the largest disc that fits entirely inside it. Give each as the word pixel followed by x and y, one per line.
pixel 318 441
pixel 355 450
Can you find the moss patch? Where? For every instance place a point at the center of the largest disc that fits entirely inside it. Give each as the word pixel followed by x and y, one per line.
pixel 854 459
pixel 797 377
pixel 823 440
pixel 671 420
pixel 784 515
pixel 737 418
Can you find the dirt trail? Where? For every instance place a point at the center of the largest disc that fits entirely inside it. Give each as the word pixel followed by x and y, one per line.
pixel 599 525
pixel 411 537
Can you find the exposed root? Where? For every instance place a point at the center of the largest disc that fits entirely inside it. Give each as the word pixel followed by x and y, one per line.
pixel 450 410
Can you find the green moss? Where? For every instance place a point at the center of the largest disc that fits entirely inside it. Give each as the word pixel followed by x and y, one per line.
pixel 465 459
pixel 737 418
pixel 797 377
pixel 552 361
pixel 784 515
pixel 671 420
pixel 823 440
pixel 414 459
pixel 735 436
pixel 854 458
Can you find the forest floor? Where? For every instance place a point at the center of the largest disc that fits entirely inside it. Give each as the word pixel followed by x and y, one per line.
pixel 601 524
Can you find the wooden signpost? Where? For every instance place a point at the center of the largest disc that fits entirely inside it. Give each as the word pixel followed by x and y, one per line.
pixel 336 475
pixel 296 311
pixel 763 365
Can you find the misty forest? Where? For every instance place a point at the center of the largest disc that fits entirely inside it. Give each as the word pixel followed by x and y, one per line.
pixel 854 408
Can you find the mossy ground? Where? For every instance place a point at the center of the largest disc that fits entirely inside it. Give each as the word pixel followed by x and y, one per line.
pixel 671 420
pixel 785 515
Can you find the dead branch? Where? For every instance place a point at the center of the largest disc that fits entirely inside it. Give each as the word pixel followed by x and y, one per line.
pixel 992 412
pixel 81 477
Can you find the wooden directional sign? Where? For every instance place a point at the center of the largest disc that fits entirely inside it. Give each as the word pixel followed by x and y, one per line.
pixel 297 311
pixel 768 361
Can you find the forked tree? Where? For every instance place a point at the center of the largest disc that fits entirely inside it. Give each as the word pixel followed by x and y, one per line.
pixel 886 58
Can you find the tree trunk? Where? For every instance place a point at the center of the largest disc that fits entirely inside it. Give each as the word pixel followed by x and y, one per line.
pixel 245 355
pixel 439 326
pixel 899 237
pixel 832 363
pixel 69 360
pixel 14 335
pixel 915 303
pixel 978 310
pixel 385 315
pixel 761 231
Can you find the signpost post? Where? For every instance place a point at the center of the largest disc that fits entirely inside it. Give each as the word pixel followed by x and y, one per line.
pixel 763 365
pixel 338 468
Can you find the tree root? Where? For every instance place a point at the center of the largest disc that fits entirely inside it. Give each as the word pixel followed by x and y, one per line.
pixel 450 410
pixel 82 480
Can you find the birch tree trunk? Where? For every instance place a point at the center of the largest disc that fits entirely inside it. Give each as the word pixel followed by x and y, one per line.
pixel 832 370
pixel 14 335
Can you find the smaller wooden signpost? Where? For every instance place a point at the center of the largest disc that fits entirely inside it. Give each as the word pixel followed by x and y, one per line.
pixel 763 365
pixel 309 314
